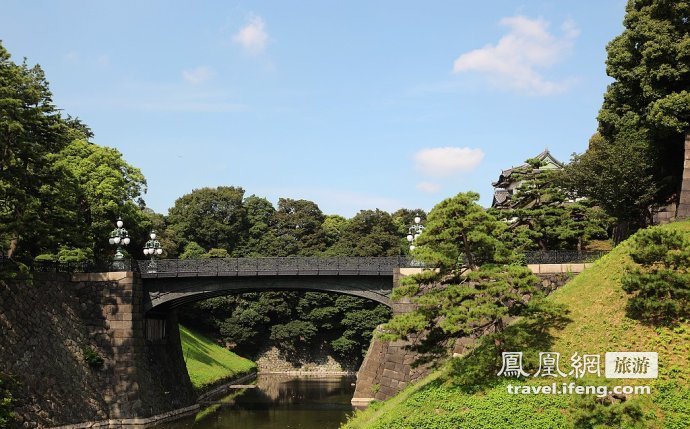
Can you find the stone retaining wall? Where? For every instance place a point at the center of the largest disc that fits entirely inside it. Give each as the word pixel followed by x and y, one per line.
pixel 316 361
pixel 46 324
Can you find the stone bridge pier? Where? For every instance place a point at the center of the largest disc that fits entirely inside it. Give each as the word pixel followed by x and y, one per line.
pixel 148 379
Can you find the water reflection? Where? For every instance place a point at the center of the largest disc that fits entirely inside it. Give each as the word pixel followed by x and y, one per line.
pixel 279 402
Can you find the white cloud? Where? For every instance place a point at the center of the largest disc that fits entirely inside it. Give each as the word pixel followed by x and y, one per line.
pixel 71 57
pixel 198 75
pixel 253 36
pixel 428 187
pixel 516 60
pixel 445 161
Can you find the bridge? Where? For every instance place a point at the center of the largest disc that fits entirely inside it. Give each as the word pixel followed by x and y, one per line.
pixel 169 283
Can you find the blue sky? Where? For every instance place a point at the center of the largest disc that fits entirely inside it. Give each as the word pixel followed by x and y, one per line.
pixel 354 105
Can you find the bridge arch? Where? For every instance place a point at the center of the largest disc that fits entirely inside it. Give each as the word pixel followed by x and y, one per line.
pixel 164 294
pixel 170 283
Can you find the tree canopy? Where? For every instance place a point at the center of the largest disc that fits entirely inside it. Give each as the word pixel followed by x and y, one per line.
pixel 477 283
pixel 31 130
pixel 638 158
pixel 543 215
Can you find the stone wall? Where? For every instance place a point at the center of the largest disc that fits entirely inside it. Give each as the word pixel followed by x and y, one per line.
pixel 684 200
pixel 315 361
pixel 46 324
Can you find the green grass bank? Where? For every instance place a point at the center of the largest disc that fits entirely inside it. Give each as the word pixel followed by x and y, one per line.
pixel 597 324
pixel 208 363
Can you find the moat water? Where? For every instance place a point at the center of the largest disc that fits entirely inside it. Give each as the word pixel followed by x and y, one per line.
pixel 278 402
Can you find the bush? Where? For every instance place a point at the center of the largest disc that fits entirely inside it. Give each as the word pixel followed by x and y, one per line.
pixel 92 358
pixel 659 283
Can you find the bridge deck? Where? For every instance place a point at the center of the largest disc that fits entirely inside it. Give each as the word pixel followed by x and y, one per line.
pixel 293 266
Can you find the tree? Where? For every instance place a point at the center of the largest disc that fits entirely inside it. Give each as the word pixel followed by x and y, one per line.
pixel 333 228
pixel 650 64
pixel 617 176
pixel 261 229
pixel 192 250
pixel 474 288
pixel 216 254
pixel 369 233
pixel 299 228
pixel 460 234
pixel 157 222
pixel 109 188
pixel 31 129
pixel 212 217
pixel 543 216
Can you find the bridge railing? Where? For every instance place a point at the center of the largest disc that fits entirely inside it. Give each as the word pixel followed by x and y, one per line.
pixel 563 256
pixel 271 266
pixel 277 266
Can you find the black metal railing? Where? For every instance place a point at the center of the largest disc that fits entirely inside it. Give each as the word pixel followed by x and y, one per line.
pixel 81 267
pixel 562 256
pixel 277 265
pixel 273 266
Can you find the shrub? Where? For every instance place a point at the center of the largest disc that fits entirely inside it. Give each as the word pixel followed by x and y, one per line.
pixel 92 358
pixel 659 282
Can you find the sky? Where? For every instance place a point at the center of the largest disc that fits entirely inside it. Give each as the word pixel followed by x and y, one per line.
pixel 353 105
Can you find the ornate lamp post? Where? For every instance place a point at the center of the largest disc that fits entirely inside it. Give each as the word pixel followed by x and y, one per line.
pixel 119 236
pixel 153 248
pixel 414 231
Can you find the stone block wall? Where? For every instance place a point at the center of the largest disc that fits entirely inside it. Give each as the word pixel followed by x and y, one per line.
pixel 48 321
pixel 386 370
pixel 684 200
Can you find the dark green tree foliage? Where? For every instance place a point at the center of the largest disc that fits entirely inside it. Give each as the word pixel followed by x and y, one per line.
pixel 158 223
pixel 369 233
pixel 617 176
pixel 645 113
pixel 216 254
pixel 333 229
pixel 299 228
pixel 295 321
pixel 108 188
pixel 31 129
pixel 659 283
pixel 261 233
pixel 475 288
pixel 460 234
pixel 212 217
pixel 544 217
pixel 59 193
pixel 192 250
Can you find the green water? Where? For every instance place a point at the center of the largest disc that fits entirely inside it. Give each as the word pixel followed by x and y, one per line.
pixel 279 402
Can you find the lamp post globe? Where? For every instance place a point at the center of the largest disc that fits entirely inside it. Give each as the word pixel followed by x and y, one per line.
pixel 414 231
pixel 119 237
pixel 153 248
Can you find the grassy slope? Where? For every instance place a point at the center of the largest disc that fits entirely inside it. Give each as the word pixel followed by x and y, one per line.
pixel 207 362
pixel 597 309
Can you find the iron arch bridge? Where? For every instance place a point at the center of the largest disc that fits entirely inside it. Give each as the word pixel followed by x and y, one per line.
pixel 169 283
